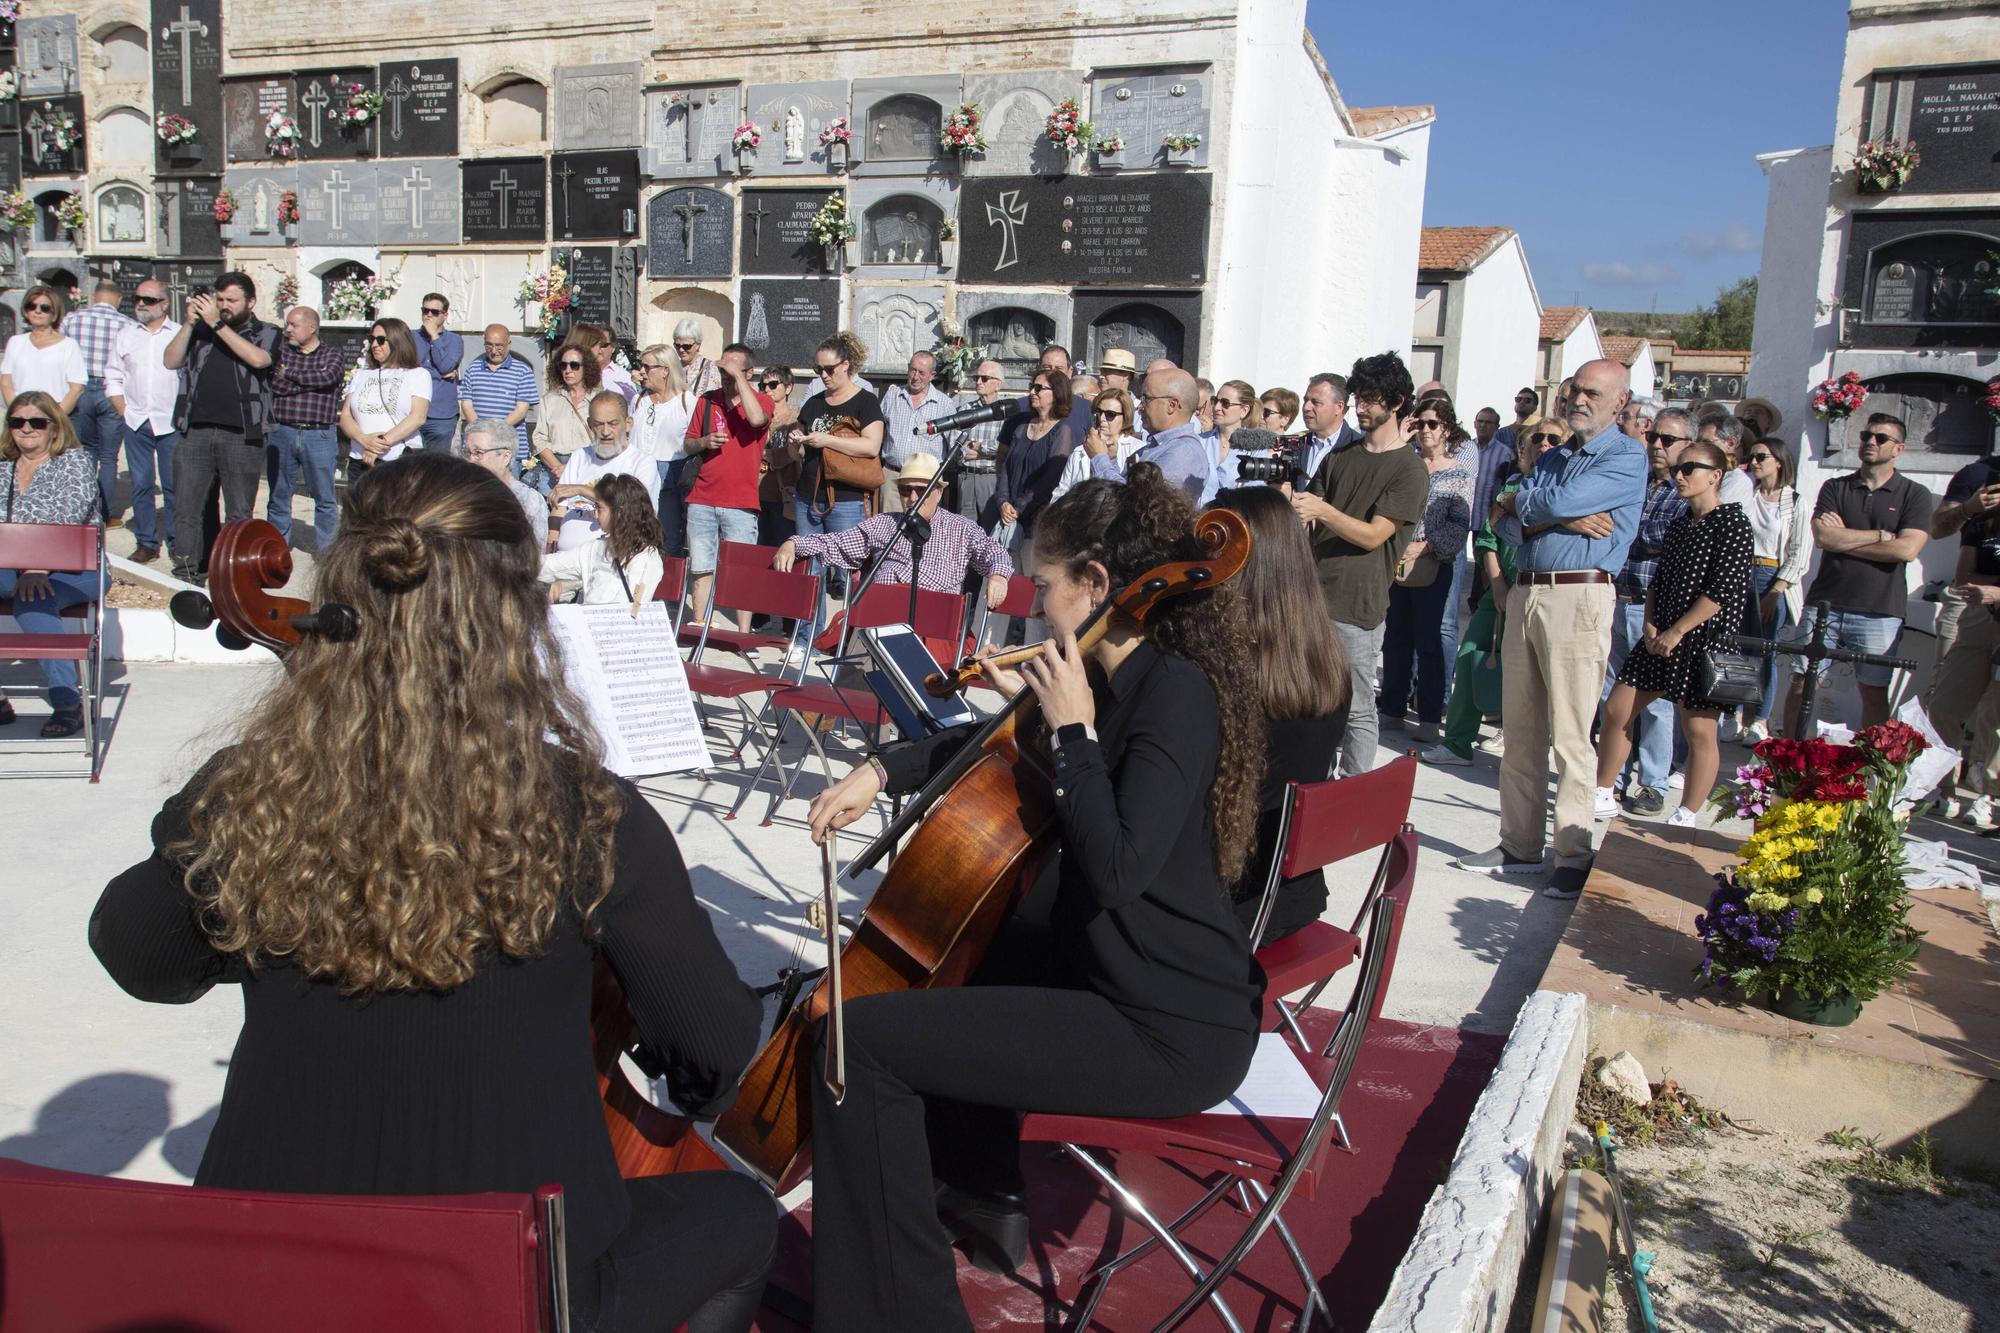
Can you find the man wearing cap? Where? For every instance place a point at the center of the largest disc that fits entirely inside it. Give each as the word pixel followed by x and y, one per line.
pixel 955 547
pixel 1117 369
pixel 700 374
pixel 1761 415
pixel 905 407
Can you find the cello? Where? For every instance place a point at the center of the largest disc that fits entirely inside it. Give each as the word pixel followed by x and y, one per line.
pixel 976 833
pixel 249 561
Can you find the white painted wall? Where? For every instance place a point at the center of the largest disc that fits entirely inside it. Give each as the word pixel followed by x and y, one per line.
pixel 1497 334
pixel 1645 375
pixel 1793 335
pixel 1582 345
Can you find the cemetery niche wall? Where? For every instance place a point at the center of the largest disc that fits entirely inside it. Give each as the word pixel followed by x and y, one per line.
pixel 1951 113
pixel 1923 279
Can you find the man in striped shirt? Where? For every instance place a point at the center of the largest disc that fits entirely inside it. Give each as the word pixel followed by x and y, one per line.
pixel 98 424
pixel 500 386
pixel 956 545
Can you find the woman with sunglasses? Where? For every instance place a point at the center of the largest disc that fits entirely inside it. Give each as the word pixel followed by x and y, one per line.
pixel 1232 405
pixel 1110 433
pixel 1696 597
pixel 1784 548
pixel 1277 409
pixel 660 417
pixel 387 400
pixel 44 359
pixel 46 476
pixel 825 507
pixel 563 425
pixel 778 485
pixel 1032 468
pixel 1420 598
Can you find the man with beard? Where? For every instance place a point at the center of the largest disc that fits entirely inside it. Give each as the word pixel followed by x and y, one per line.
pixel 224 354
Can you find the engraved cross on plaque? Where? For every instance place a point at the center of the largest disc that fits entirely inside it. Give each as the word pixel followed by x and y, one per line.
pixel 315 100
pixel 37 132
pixel 569 224
pixel 687 208
pixel 1008 214
pixel 395 95
pixel 185 29
pixel 177 291
pixel 756 216
pixel 418 185
pixel 334 186
pixel 503 188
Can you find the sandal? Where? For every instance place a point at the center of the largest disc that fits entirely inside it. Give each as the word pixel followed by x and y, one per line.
pixel 63 722
pixel 6 712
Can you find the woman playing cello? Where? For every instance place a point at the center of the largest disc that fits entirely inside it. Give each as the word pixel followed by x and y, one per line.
pixel 1124 986
pixel 407 863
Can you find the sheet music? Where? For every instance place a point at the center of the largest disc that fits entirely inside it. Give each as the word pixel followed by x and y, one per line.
pixel 627 670
pixel 1277 1086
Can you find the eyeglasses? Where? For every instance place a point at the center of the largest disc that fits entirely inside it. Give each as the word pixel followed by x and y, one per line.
pixel 1274 412
pixel 38 305
pixel 28 423
pixel 491 449
pixel 770 384
pixel 149 300
pixel 981 379
pixel 1040 388
pixel 1691 466
pixel 1867 437
pixel 1229 402
pixel 571 365
pixel 1661 437
pixel 1545 437
pixel 433 310
pixel 915 488
pixel 687 347
pixel 826 368
pixel 378 340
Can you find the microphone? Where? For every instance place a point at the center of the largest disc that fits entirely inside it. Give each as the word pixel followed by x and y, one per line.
pixel 971 416
pixel 1253 440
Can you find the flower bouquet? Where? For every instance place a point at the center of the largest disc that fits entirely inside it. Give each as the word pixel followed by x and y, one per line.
pixel 281 135
pixel 837 139
pixel 225 205
pixel 954 354
pixel 1885 165
pixel 1815 915
pixel 1834 399
pixel 10 87
pixel 175 130
pixel 1991 402
pixel 363 105
pixel 288 292
pixel 357 298
pixel 72 213
pixel 1068 130
pixel 550 290
pixel 65 133
pixel 1181 148
pixel 961 134
pixel 17 210
pixel 288 208
pixel 832 228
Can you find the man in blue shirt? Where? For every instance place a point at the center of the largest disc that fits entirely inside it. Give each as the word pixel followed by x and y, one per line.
pixel 1167 399
pixel 1579 510
pixel 441 352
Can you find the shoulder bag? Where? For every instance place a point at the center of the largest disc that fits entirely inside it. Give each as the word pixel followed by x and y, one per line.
pixel 1727 675
pixel 836 468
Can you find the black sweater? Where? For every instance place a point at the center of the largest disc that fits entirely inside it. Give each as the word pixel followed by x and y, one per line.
pixel 1299 749
pixel 1140 913
pixel 488 1086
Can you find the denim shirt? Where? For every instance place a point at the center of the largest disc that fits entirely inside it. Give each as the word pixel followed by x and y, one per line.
pixel 1606 475
pixel 1177 451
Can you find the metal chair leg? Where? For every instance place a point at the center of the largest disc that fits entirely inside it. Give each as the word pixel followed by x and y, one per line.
pixel 1137 1207
pixel 1314 1301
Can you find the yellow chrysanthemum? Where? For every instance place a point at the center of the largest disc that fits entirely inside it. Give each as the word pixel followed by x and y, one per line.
pixel 1827 817
pixel 1788 872
pixel 1765 901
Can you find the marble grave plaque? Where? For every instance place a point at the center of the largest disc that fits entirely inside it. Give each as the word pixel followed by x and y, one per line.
pixel 420 201
pixel 896 323
pixel 45 53
pixel 689 233
pixel 1078 230
pixel 604 283
pixel 1013 327
pixel 688 129
pixel 10 161
pixel 42 121
pixel 782 320
pixel 1016 110
pixel 419 109
pixel 259 191
pixel 247 105
pixel 1147 324
pixel 790 116
pixel 1924 278
pixel 339 203
pixel 599 106
pixel 1143 107
pixel 896 124
pixel 119 215
pixel 596 195
pixel 186 41
pixel 186 278
pixel 775 231
pixel 505 199
pixel 1952 112
pixel 321 96
pixel 184 217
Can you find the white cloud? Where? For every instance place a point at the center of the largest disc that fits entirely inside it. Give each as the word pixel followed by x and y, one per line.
pixel 1734 239
pixel 1630 275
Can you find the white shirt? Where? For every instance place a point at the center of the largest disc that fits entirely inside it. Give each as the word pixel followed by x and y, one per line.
pixel 1077 468
pixel 379 399
pixel 137 373
pixel 591 565
pixel 1737 488
pixel 579 515
pixel 659 430
pixel 50 369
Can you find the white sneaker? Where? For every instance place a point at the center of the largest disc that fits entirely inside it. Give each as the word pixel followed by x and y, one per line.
pixel 1979 812
pixel 1607 803
pixel 1755 732
pixel 1674 781
pixel 1682 817
pixel 1443 756
pixel 1729 728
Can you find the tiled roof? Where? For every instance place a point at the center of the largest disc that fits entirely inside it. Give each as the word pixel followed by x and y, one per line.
pixel 1559 321
pixel 1372 120
pixel 1459 249
pixel 1624 349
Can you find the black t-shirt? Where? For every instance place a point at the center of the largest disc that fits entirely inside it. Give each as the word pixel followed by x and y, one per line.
pixel 815 418
pixel 215 399
pixel 1853 582
pixel 1977 532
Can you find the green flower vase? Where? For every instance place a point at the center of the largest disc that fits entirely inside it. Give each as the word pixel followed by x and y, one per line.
pixel 1830 1011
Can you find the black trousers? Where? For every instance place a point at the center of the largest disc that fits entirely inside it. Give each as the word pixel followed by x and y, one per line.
pixel 694 1252
pixel 206 460
pixel 880 1262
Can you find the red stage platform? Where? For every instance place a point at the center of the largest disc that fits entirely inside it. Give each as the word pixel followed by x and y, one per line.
pixel 1413 1091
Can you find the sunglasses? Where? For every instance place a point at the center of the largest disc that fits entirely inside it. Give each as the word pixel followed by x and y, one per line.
pixel 43 306
pixel 828 368
pixel 914 488
pixel 1110 414
pixel 378 340
pixel 687 347
pixel 1661 437
pixel 432 310
pixel 1274 411
pixel 1691 467
pixel 1040 388
pixel 29 423
pixel 1762 458
pixel 1545 437
pixel 571 365
pixel 1867 436
pixel 769 384
pixel 149 300
pixel 983 378
pixel 1229 402
pixel 1426 424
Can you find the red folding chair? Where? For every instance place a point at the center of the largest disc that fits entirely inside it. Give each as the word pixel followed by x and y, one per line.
pixel 65 548
pixel 90 1252
pixel 766 591
pixel 673 587
pixel 734 562
pixel 1263 1160
pixel 1323 823
pixel 939 615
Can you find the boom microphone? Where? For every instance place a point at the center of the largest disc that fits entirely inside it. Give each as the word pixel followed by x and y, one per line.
pixel 971 416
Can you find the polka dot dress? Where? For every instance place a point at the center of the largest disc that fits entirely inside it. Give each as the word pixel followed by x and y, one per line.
pixel 1708 557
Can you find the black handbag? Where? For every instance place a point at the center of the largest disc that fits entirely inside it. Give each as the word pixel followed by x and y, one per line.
pixel 1726 676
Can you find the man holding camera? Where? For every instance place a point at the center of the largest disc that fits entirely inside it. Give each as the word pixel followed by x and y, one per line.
pixel 224 354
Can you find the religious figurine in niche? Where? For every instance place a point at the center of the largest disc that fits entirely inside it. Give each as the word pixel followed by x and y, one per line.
pixel 121 217
pixel 260 210
pixel 597 111
pixel 795 135
pixel 757 329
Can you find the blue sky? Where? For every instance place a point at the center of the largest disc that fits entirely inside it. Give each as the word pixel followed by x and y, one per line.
pixel 1620 140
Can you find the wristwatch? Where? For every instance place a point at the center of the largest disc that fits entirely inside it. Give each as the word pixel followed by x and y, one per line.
pixel 1072 732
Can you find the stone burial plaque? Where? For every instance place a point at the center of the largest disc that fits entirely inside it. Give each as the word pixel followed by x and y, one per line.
pixel 420 200
pixel 896 323
pixel 419 109
pixel 1149 325
pixel 45 53
pixel 1144 106
pixel 505 199
pixel 43 119
pixel 120 215
pixel 596 195
pixel 599 106
pixel 688 129
pixel 775 231
pixel 898 223
pixel 689 232
pixel 10 161
pixel 790 117
pixel 604 287
pixel 1953 114
pixel 1116 229
pixel 783 319
pixel 1924 279
pixel 187 81
pixel 259 192
pixel 247 106
pixel 184 213
pixel 896 124
pixel 1016 108
pixel 322 95
pixel 1013 327
pixel 339 203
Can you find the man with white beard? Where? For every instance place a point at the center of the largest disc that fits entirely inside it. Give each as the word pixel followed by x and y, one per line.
pixel 611 452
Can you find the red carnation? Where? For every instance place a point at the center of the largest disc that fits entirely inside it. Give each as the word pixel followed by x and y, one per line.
pixel 1897 742
pixel 1823 788
pixel 1781 753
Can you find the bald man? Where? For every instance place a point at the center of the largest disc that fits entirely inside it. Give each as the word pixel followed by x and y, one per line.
pixel 1167 401
pixel 304 439
pixel 500 386
pixel 1578 511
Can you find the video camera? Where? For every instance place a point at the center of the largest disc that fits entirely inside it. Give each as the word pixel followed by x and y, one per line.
pixel 1266 457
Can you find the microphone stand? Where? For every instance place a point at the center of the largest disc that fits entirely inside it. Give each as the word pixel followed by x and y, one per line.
pixel 953 453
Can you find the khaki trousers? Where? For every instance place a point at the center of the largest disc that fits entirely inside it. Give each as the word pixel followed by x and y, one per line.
pixel 1552 657
pixel 1962 691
